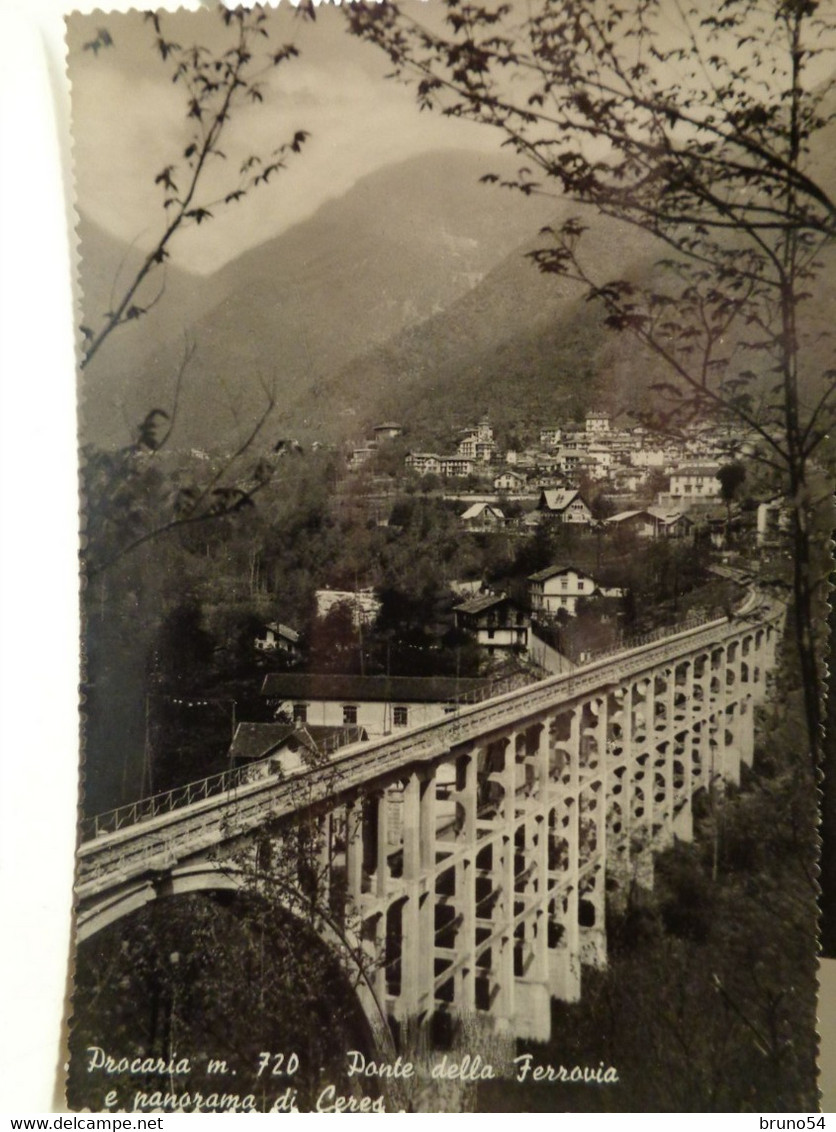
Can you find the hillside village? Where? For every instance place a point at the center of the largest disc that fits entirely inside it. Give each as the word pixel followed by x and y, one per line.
pixel 588 473
pixel 621 460
pixel 423 578
pixel 593 494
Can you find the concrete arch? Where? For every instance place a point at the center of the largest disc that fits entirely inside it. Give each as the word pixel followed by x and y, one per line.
pixel 213 876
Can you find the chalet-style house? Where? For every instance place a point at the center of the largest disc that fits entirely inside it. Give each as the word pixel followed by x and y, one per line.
pixel 496 622
pixel 276 637
pixel 652 522
pixel 291 746
pixel 558 587
pixel 509 481
pixel 483 517
pixel 378 704
pixel 566 505
pixel 389 430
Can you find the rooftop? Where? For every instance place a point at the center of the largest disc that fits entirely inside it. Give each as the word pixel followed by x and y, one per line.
pixel 553 571
pixel 479 604
pixel 697 470
pixel 302 686
pixel 283 631
pixel 257 740
pixel 558 499
pixel 477 509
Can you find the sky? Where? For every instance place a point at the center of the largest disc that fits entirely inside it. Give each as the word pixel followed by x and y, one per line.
pixel 129 122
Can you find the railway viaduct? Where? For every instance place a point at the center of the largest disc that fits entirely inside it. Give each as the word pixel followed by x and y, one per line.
pixel 475 853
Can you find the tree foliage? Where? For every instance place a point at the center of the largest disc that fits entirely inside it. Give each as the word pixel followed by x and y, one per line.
pixel 705 129
pixel 213 977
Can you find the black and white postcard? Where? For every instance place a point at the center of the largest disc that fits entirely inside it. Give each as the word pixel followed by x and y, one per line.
pixel 454 390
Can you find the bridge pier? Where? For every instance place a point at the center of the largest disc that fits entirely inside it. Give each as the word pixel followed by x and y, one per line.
pixel 563 932
pixel 682 823
pixel 592 834
pixel 619 740
pixel 411 982
pixel 641 826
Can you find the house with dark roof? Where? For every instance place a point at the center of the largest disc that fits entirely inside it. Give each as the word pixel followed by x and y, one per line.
pixel 566 505
pixel 652 522
pixel 276 637
pixel 378 704
pixel 291 745
pixel 496 622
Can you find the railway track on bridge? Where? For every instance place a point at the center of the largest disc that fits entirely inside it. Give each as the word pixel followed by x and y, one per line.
pixel 146 844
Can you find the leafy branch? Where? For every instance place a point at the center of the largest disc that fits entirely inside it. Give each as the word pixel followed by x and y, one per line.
pixel 698 128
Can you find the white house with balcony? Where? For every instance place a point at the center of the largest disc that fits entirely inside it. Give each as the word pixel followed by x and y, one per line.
pixel 495 621
pixel 423 463
pixel 456 466
pixel 559 588
pixel 695 482
pixel 565 504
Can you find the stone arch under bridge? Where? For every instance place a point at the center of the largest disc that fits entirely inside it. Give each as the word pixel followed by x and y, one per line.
pixel 213 875
pixel 475 853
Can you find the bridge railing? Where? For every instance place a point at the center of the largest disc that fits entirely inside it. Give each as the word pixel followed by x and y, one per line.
pixel 210 787
pixel 227 781
pixel 636 640
pixel 494 688
pixel 169 800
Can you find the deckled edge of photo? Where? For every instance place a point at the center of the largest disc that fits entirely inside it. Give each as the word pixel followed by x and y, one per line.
pixel 61 109
pixel 94 15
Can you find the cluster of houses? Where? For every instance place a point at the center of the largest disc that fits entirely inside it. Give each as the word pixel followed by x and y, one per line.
pixel 476 447
pixel 625 456
pixel 315 714
pixel 498 624
pixel 567 505
pixel 621 458
pixel 554 480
